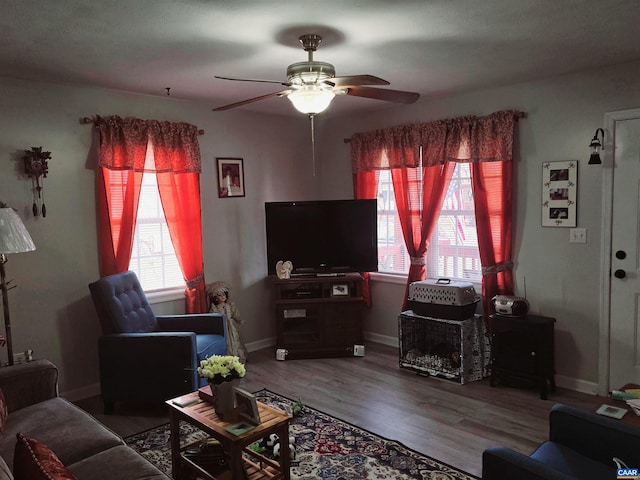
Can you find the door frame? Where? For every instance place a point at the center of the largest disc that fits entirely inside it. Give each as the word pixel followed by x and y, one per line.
pixel 604 357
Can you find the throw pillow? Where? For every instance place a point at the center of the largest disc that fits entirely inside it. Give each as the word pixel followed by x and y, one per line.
pixel 33 460
pixel 4 412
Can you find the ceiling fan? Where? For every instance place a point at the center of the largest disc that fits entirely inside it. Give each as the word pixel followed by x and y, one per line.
pixel 312 85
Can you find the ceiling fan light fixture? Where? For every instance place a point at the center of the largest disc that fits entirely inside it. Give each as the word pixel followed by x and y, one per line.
pixel 311 99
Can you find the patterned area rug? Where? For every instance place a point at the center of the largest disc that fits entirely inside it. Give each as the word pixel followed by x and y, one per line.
pixel 326 448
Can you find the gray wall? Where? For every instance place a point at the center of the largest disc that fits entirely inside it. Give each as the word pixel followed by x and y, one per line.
pixel 51 310
pixel 562 279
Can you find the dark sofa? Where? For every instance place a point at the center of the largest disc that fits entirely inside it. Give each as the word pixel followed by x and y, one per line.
pixel 581 446
pixel 87 448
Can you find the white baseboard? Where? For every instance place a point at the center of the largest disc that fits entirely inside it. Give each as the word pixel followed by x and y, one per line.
pixel 260 344
pixel 577 384
pixel 562 381
pixel 570 383
pixel 383 339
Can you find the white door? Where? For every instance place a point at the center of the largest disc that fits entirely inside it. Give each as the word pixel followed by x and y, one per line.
pixel 623 163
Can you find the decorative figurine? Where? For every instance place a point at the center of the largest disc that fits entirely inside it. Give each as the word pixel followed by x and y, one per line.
pixel 218 293
pixel 284 269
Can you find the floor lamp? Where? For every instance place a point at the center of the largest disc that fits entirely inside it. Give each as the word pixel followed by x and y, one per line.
pixel 14 238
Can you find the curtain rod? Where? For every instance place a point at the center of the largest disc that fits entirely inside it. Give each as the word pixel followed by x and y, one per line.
pixel 87 120
pixel 517 116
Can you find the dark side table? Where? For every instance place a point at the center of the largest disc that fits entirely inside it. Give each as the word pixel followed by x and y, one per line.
pixel 522 351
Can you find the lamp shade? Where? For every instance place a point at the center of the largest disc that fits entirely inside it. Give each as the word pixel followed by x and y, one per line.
pixel 311 99
pixel 14 237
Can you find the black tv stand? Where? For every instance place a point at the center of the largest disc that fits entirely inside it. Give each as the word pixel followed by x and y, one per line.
pixel 319 316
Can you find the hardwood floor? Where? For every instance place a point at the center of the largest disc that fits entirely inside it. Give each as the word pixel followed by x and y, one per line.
pixel 451 422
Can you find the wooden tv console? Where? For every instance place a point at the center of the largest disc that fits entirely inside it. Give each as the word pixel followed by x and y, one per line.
pixel 319 316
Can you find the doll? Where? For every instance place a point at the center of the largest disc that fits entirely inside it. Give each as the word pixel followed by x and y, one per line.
pixel 218 294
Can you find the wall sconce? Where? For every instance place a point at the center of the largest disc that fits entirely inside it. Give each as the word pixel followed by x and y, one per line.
pixel 36 166
pixel 595 146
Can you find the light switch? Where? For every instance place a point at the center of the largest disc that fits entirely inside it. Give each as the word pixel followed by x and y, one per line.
pixel 578 235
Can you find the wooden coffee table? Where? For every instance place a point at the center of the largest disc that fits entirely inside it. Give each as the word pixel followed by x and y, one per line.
pixel 630 417
pixel 242 461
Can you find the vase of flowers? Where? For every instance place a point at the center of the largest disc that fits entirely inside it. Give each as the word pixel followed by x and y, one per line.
pixel 223 372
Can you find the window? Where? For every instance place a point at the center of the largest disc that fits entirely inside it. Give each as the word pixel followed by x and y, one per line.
pixel 153 257
pixel 453 251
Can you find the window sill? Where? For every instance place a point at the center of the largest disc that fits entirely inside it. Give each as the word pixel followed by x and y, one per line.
pixel 396 278
pixel 401 279
pixel 167 295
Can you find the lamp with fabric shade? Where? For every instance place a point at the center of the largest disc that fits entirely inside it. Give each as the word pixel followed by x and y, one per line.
pixel 14 238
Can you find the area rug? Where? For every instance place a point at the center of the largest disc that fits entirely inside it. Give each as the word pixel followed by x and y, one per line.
pixel 326 448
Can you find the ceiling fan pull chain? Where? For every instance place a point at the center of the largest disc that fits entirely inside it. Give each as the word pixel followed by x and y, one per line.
pixel 313 145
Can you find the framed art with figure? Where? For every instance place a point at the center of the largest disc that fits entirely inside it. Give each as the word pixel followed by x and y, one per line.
pixel 559 193
pixel 230 177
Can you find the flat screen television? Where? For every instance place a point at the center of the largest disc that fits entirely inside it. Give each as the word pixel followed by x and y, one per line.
pixel 323 236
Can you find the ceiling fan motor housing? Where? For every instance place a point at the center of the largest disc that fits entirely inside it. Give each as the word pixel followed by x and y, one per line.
pixel 302 73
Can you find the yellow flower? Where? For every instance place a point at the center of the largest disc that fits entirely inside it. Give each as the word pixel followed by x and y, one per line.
pixel 221 368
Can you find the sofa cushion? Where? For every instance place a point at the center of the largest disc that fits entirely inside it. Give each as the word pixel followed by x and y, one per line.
pixel 122 463
pixel 210 344
pixel 33 460
pixel 122 305
pixel 570 462
pixel 69 431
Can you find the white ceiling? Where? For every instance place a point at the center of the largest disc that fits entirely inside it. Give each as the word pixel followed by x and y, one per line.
pixel 432 47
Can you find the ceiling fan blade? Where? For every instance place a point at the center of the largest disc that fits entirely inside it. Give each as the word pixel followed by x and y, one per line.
pixel 356 80
pixel 251 100
pixel 286 84
pixel 397 96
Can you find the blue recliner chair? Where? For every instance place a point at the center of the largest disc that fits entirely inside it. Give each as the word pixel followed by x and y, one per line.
pixel 146 358
pixel 582 446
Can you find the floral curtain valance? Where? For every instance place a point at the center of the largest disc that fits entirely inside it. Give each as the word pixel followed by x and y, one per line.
pixel 468 139
pixel 123 144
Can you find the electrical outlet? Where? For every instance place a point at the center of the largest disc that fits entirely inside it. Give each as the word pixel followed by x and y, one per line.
pixel 358 350
pixel 578 235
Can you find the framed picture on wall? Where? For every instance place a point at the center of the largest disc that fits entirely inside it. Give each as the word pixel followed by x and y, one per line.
pixel 230 177
pixel 559 193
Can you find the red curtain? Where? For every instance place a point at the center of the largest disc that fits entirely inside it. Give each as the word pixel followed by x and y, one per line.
pixel 180 195
pixel 419 202
pixel 365 186
pixel 118 195
pixel 482 141
pixel 492 184
pixel 121 159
